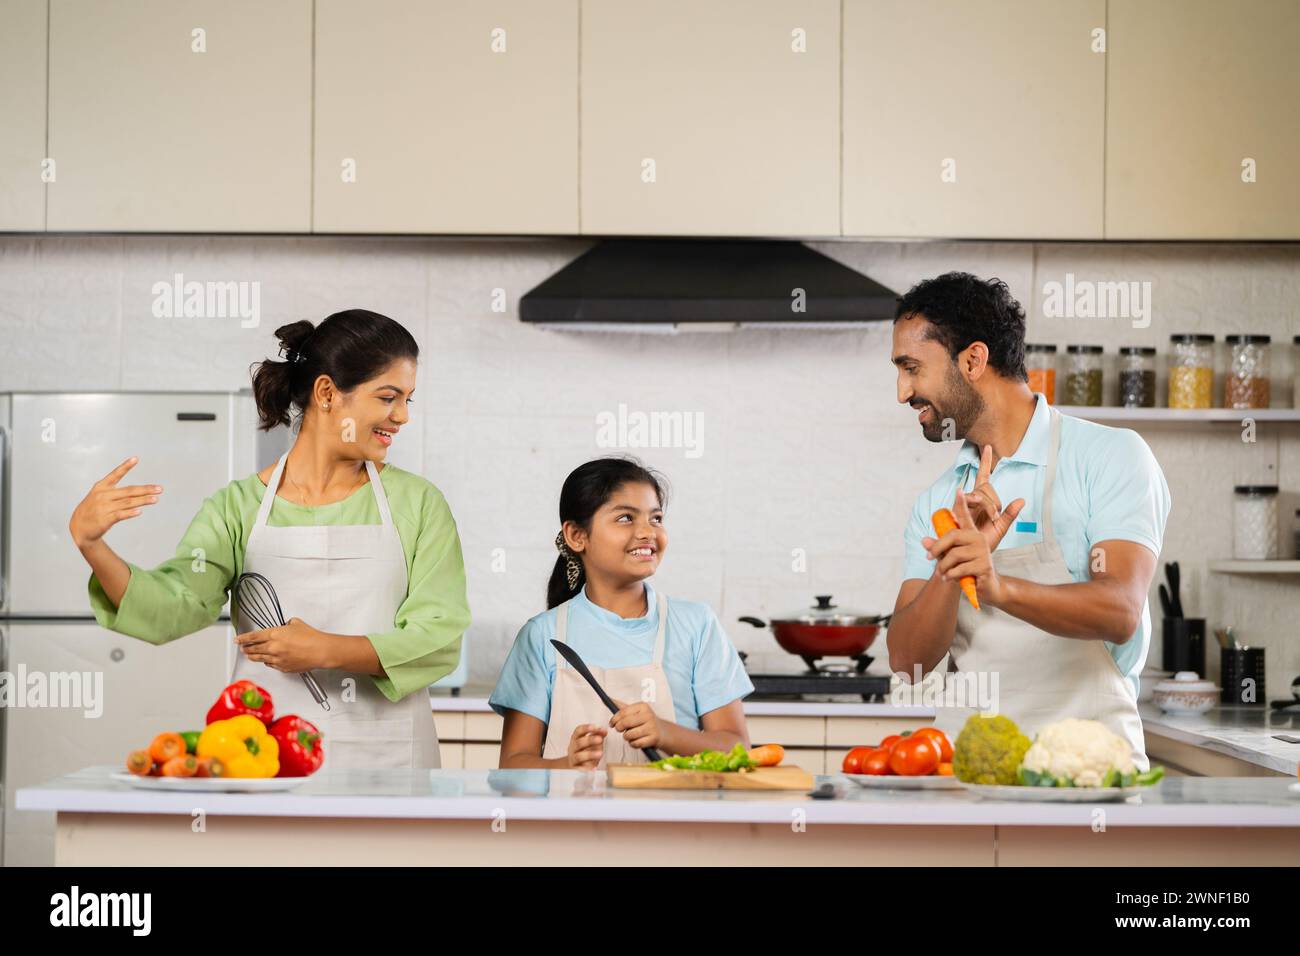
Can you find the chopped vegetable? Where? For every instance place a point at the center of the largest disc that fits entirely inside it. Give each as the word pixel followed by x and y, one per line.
pixel 735 760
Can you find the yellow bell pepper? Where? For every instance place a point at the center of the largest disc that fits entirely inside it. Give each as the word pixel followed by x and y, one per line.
pixel 243 745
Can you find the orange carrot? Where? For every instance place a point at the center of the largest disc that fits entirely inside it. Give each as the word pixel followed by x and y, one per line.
pixel 943 523
pixel 183 766
pixel 211 767
pixel 165 746
pixel 768 755
pixel 139 762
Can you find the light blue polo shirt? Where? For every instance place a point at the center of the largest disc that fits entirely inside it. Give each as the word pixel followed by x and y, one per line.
pixel 703 669
pixel 1108 487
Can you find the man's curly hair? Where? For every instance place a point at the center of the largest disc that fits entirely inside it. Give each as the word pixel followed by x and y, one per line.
pixel 961 308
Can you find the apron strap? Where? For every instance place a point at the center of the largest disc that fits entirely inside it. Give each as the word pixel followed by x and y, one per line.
pixel 268 497
pixel 381 496
pixel 662 604
pixel 561 630
pixel 1049 478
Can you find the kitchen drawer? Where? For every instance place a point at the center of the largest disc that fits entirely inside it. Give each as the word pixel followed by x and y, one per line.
pixel 863 731
pixel 482 756
pixel 453 756
pixel 787 731
pixel 450 724
pixel 811 759
pixel 479 726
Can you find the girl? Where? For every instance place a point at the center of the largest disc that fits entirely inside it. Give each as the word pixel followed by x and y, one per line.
pixel 364 557
pixel 676 677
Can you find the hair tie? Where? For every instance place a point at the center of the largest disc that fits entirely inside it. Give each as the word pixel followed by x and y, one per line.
pixel 572 567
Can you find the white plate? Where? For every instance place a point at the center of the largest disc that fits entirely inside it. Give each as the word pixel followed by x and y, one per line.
pixel 881 781
pixel 209 784
pixel 1057 794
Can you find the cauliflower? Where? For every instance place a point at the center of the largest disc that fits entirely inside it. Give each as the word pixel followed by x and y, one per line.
pixel 988 750
pixel 1079 753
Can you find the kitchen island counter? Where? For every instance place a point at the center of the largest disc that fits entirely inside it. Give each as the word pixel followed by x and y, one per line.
pixel 464 816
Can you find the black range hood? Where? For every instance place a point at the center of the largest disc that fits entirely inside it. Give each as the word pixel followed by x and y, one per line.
pixel 655 285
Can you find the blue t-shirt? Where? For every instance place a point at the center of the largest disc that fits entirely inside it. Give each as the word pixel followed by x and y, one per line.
pixel 1109 487
pixel 703 669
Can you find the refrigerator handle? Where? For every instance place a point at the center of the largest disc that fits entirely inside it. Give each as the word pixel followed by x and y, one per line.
pixel 4 515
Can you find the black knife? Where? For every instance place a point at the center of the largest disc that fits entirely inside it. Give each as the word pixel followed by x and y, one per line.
pixel 572 657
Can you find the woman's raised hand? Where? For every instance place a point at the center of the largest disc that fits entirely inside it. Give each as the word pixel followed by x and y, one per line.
pixel 106 504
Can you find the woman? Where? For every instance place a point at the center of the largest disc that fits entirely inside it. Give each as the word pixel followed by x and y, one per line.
pixel 669 666
pixel 371 580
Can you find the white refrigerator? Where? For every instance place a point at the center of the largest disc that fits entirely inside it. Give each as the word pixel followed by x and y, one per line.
pixel 81 695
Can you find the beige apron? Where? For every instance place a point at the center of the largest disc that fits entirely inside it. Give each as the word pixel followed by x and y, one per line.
pixel 573 702
pixel 1042 678
pixel 344 579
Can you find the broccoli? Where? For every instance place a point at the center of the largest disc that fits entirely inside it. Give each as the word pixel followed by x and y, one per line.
pixel 989 750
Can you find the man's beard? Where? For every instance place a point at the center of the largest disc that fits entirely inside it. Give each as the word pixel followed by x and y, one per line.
pixel 954 414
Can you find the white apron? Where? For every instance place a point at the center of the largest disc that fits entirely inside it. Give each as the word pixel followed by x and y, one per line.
pixel 345 579
pixel 1042 678
pixel 573 702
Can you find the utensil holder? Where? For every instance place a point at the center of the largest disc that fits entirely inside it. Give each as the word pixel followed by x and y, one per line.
pixel 1183 644
pixel 1237 666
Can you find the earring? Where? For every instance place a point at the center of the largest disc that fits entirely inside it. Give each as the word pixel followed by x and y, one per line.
pixel 326 406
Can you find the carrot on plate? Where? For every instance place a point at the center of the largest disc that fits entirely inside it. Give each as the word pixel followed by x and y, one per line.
pixel 139 762
pixel 185 765
pixel 211 767
pixel 166 745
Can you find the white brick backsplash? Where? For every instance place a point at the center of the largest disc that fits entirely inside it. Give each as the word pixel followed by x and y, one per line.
pixel 804 444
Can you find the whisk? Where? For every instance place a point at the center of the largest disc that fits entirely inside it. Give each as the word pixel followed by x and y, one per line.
pixel 258 601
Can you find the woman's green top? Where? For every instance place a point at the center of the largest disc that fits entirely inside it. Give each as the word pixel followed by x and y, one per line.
pixel 186 593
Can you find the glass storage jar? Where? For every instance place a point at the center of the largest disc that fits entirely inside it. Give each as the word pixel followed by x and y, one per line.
pixel 1254 522
pixel 1247 383
pixel 1083 375
pixel 1191 371
pixel 1040 363
pixel 1137 376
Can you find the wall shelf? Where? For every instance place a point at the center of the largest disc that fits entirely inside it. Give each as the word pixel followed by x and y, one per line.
pixel 1255 567
pixel 1182 416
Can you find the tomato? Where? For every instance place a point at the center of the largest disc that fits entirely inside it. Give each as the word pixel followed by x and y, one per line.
pixel 877 762
pixel 945 770
pixel 945 745
pixel 914 757
pixel 854 758
pixel 888 742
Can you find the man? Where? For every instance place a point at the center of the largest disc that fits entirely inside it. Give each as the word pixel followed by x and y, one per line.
pixel 1063 571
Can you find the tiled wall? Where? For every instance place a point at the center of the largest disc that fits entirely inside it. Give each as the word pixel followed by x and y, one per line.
pixel 803 444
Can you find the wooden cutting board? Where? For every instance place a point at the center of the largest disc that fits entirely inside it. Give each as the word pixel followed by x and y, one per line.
pixel 642 777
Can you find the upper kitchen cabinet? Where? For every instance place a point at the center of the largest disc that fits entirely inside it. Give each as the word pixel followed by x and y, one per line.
pixel 717 118
pixel 22 114
pixel 180 115
pixel 974 118
pixel 1202 123
pixel 459 116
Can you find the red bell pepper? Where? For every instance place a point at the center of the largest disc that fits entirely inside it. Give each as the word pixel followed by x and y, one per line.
pixel 301 748
pixel 243 697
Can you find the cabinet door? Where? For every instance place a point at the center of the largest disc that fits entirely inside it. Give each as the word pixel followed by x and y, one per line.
pixel 706 119
pixel 151 135
pixel 22 114
pixel 973 118
pixel 458 116
pixel 1202 97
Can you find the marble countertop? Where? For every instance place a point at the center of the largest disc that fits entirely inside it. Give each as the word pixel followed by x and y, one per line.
pixel 1245 733
pixel 576 795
